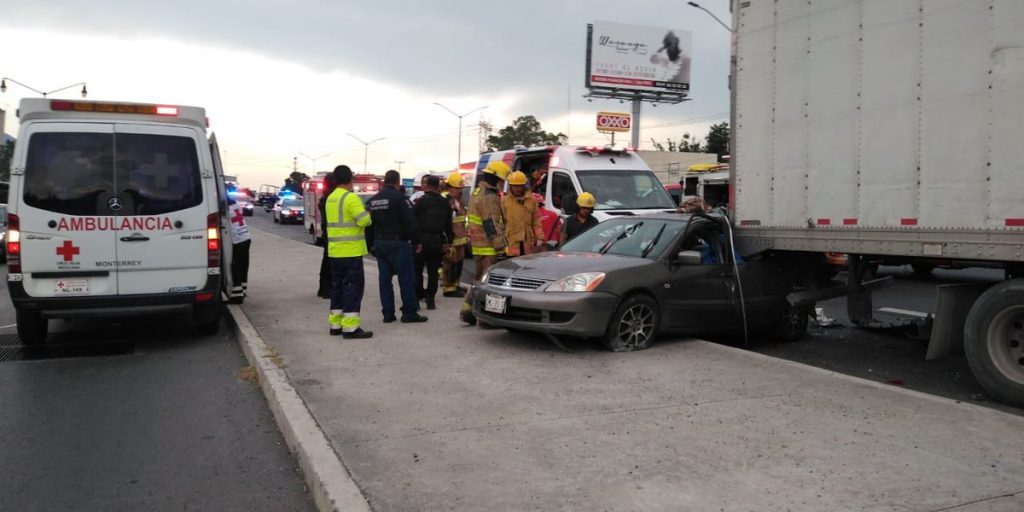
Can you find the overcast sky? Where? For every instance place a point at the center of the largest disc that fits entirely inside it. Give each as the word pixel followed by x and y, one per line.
pixel 287 77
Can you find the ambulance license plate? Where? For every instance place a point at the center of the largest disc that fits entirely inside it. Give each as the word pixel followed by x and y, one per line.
pixel 495 304
pixel 71 287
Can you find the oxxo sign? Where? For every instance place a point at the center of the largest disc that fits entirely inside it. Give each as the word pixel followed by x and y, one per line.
pixel 614 122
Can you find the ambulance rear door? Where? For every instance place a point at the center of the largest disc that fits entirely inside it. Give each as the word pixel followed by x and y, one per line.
pixel 63 203
pixel 159 178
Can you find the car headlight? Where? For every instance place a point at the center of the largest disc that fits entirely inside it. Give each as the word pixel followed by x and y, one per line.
pixel 286 211
pixel 584 282
pixel 485 276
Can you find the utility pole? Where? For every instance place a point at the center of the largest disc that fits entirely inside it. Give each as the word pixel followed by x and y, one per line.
pixel 485 133
pixel 295 164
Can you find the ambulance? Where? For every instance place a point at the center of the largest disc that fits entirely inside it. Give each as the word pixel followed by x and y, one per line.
pixel 620 180
pixel 115 209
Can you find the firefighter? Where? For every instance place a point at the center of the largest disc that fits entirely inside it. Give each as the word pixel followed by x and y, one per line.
pixel 434 224
pixel 346 245
pixel 486 228
pixel 523 231
pixel 455 251
pixel 582 220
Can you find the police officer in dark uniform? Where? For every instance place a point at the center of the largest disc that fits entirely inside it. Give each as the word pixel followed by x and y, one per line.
pixel 433 217
pixel 393 237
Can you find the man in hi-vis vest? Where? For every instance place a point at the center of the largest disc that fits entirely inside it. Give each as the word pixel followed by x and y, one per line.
pixel 346 245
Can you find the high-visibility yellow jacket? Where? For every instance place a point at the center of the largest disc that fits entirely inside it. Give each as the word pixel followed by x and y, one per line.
pixel 522 220
pixel 346 224
pixel 486 222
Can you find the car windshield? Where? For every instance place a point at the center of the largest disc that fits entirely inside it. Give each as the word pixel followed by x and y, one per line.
pixel 291 203
pixel 625 190
pixel 636 236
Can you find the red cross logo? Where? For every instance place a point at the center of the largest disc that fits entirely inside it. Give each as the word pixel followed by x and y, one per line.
pixel 68 250
pixel 237 218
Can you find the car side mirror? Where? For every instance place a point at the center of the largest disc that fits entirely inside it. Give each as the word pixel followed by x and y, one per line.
pixel 569 205
pixel 689 258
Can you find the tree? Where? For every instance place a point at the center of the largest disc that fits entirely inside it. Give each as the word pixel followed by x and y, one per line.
pixel 687 144
pixel 293 183
pixel 6 153
pixel 717 141
pixel 526 131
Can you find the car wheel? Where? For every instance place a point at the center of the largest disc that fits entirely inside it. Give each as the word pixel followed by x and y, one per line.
pixel 32 327
pixel 792 325
pixel 634 325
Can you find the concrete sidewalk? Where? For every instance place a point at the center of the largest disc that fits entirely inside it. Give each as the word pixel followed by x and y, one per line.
pixel 442 416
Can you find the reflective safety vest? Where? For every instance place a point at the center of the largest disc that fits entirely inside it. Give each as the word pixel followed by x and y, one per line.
pixel 486 223
pixel 346 224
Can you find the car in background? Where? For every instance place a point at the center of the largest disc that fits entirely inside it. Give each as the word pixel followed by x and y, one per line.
pixel 289 210
pixel 628 279
pixel 3 233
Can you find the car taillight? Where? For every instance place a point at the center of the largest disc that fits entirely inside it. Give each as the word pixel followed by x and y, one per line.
pixel 212 241
pixel 13 244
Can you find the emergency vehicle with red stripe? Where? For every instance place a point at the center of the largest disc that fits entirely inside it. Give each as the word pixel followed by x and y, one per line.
pixel 115 209
pixel 313 189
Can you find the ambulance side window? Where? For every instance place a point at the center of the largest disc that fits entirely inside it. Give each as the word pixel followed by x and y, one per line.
pixel 561 184
pixel 157 174
pixel 69 173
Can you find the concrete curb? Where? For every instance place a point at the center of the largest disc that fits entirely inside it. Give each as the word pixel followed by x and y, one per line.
pixel 327 479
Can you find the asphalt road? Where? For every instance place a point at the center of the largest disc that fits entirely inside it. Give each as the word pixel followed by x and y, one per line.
pixel 141 416
pixel 884 356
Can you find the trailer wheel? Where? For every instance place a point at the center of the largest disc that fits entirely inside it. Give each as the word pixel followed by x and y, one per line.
pixel 994 341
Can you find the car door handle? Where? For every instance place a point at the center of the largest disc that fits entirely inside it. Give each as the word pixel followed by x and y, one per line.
pixel 134 238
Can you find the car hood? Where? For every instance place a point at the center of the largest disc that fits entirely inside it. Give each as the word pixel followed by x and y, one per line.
pixel 556 265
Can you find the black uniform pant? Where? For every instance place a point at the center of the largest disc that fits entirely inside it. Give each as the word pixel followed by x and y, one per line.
pixel 325 275
pixel 240 268
pixel 429 258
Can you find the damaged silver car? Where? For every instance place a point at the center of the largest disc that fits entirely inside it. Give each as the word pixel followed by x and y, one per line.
pixel 630 279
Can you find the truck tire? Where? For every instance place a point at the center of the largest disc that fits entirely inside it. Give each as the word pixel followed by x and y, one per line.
pixel 994 341
pixel 32 327
pixel 634 325
pixel 207 319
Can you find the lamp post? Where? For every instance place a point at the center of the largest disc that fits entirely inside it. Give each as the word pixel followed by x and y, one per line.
pixel 720 22
pixel 3 87
pixel 399 162
pixel 458 161
pixel 315 159
pixel 366 148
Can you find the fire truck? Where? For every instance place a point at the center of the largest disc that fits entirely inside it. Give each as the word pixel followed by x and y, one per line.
pixel 313 189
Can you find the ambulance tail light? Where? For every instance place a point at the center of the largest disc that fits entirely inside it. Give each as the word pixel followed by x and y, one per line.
pixel 13 244
pixel 319 185
pixel 212 241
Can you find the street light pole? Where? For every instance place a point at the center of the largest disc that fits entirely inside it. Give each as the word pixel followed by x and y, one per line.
pixel 366 148
pixel 315 159
pixel 3 87
pixel 458 160
pixel 720 22
pixel 399 162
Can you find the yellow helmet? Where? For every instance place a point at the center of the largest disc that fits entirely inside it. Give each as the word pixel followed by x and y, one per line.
pixel 455 180
pixel 498 168
pixel 517 178
pixel 586 200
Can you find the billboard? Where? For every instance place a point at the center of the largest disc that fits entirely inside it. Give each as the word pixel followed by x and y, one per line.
pixel 614 122
pixel 638 58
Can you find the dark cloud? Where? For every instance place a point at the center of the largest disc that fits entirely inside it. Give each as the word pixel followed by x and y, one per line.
pixel 530 48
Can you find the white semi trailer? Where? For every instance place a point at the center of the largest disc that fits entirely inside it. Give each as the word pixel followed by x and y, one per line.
pixel 894 130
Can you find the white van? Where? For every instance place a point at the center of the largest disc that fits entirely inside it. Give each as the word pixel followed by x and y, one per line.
pixel 115 209
pixel 620 180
